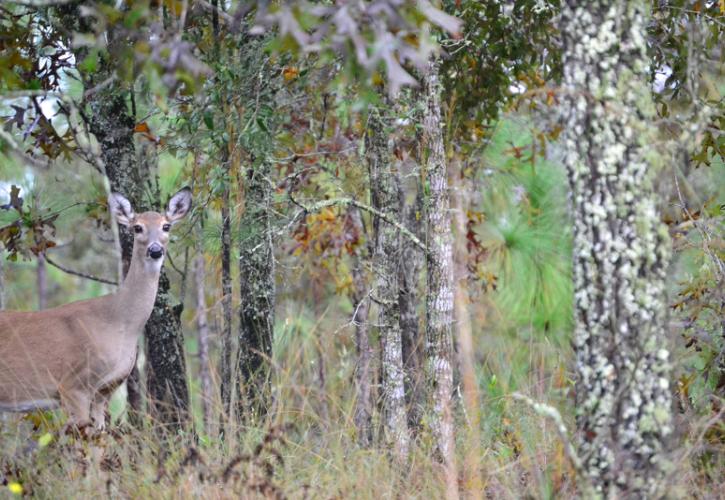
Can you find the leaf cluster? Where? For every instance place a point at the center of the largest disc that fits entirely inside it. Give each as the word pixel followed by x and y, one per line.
pixel 30 231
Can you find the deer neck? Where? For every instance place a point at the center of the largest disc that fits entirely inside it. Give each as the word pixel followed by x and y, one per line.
pixel 137 293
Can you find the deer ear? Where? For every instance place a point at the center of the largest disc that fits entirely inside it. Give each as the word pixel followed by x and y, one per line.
pixel 179 205
pixel 120 207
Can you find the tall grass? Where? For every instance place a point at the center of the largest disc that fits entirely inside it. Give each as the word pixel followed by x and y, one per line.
pixel 306 447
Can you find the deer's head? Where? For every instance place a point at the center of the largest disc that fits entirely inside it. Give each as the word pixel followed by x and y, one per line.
pixel 150 229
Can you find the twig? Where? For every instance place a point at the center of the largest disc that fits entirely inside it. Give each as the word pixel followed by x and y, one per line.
pixel 41 3
pixel 105 83
pixel 213 8
pixel 553 414
pixel 704 234
pixel 374 211
pixel 78 273
pixel 19 94
pixel 173 266
pixel 16 149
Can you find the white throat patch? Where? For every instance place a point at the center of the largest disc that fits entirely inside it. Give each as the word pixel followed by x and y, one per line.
pixel 153 265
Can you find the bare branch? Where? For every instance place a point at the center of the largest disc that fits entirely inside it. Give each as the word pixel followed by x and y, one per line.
pixel 349 201
pixel 15 148
pixel 78 273
pixel 41 3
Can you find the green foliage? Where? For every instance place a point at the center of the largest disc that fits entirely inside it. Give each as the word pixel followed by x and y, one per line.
pixel 686 49
pixel 398 36
pixel 506 48
pixel 698 302
pixel 526 234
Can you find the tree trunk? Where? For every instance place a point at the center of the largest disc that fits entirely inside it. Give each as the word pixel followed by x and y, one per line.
pixel 166 379
pixel 413 346
pixel 621 250
pixel 203 339
pixel 361 309
pixel 384 188
pixel 257 291
pixel 256 246
pixel 439 301
pixel 471 469
pixel 226 355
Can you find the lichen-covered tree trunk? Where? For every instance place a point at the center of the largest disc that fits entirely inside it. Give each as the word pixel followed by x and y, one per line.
pixel 257 294
pixel 363 372
pixel 109 115
pixel 620 249
pixel 384 189
pixel 439 299
pixel 413 344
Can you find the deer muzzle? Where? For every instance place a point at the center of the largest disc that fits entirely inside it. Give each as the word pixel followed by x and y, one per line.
pixel 155 251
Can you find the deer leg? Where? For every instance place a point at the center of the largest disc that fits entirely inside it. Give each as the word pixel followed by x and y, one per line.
pixel 77 403
pixel 98 410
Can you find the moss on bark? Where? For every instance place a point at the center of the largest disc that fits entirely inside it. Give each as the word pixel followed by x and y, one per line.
pixel 621 250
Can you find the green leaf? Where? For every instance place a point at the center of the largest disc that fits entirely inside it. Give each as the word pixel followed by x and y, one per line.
pixel 209 120
pixel 45 440
pixel 90 63
pixel 262 125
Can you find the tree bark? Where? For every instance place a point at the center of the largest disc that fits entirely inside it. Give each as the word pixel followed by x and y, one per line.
pixel 257 291
pixel 256 246
pixel 621 250
pixel 227 381
pixel 439 301
pixel 202 328
pixel 166 378
pixel 471 469
pixel 363 372
pixel 413 344
pixel 384 188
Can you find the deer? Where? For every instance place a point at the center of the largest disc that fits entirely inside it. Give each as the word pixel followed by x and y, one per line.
pixel 75 356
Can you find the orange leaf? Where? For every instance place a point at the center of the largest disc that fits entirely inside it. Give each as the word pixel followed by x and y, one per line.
pixel 290 73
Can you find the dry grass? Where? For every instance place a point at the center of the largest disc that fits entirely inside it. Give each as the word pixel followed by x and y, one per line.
pixel 306 447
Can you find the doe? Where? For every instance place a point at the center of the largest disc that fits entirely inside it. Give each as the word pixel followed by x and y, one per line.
pixel 75 355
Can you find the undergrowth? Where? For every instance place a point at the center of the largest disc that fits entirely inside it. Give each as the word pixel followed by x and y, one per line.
pixel 306 446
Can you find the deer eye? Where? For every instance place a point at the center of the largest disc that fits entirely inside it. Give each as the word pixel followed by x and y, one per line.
pixel 166 227
pixel 138 229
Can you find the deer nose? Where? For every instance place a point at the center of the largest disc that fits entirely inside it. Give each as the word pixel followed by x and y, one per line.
pixel 155 251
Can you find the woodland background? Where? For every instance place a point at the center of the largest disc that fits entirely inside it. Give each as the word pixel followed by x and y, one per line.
pixel 378 186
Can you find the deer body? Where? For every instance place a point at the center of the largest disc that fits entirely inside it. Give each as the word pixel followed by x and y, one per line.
pixel 77 354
